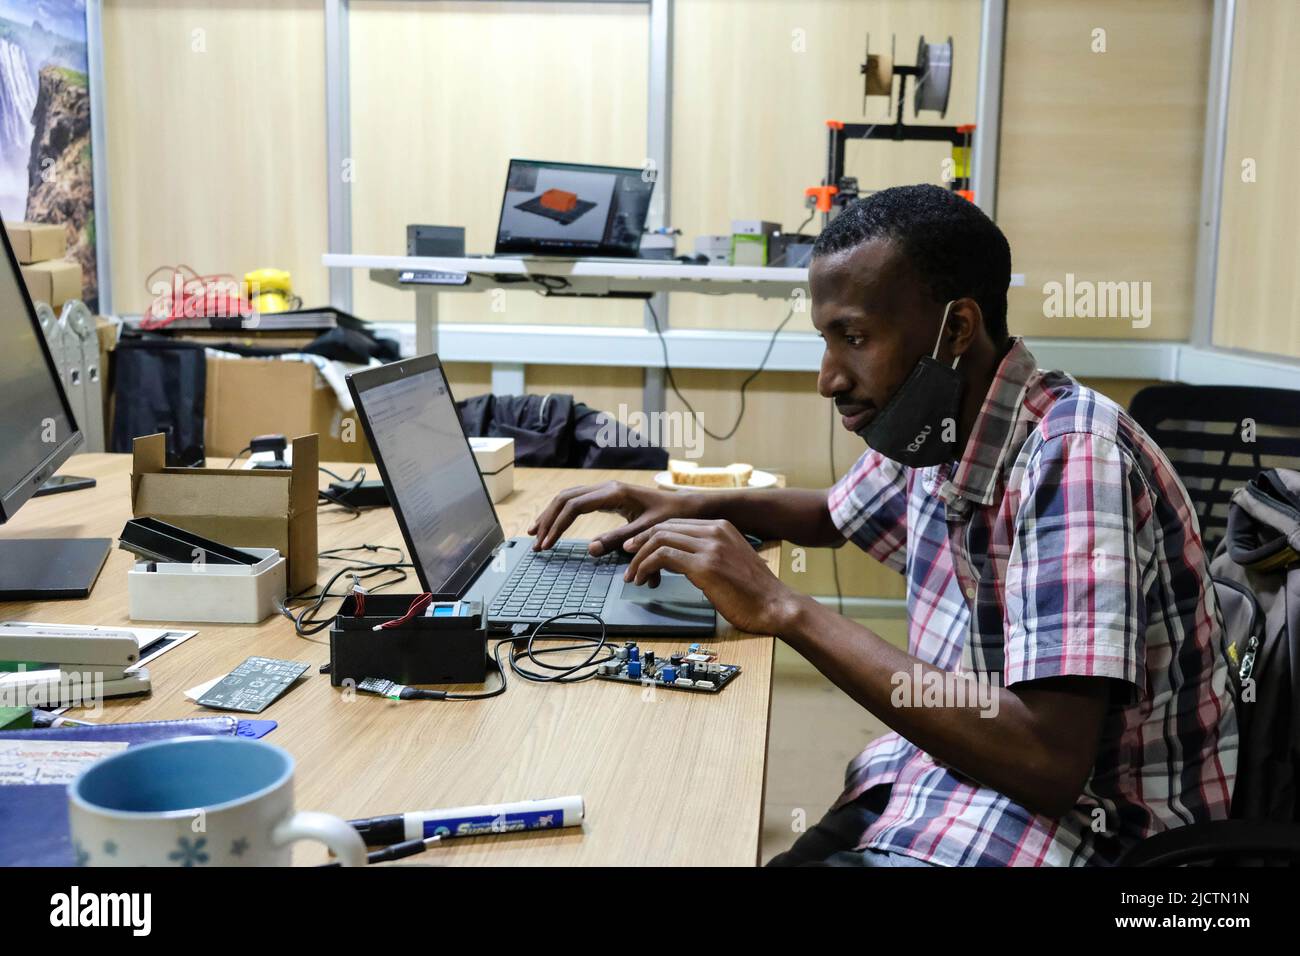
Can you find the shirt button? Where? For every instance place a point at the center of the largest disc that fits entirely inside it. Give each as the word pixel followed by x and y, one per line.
pixel 970 591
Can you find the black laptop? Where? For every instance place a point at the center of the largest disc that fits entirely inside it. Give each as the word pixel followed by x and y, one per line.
pixel 456 541
pixel 573 211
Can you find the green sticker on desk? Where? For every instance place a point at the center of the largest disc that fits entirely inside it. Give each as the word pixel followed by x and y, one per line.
pixel 254 685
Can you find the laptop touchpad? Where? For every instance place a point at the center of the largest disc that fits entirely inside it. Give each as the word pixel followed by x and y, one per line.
pixel 673 589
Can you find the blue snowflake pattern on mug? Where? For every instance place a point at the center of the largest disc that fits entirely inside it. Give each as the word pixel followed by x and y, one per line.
pixel 83 857
pixel 188 854
pixel 238 847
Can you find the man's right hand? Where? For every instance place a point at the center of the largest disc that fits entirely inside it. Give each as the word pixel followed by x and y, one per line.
pixel 641 507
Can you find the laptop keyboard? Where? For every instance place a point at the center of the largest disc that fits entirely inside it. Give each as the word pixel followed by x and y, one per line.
pixel 561 580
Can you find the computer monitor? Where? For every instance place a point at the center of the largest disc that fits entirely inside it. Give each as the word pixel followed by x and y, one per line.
pixel 38 433
pixel 563 209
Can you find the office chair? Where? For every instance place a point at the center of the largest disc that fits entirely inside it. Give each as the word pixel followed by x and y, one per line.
pixel 1219 843
pixel 1219 437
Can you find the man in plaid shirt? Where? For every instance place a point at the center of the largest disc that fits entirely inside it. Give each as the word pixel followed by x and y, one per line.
pixel 1063 693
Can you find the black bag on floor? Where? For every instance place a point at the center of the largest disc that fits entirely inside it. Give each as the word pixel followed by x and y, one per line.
pixel 159 385
pixel 554 431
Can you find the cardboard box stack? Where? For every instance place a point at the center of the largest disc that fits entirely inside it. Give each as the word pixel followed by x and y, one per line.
pixel 40 248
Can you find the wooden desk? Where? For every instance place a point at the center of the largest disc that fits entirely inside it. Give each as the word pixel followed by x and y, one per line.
pixel 675 778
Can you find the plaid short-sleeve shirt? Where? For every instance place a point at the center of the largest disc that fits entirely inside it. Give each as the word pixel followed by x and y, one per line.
pixel 1062 543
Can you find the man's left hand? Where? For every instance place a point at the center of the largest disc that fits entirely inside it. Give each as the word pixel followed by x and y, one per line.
pixel 717 559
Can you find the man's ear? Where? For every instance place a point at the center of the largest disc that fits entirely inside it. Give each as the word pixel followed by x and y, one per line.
pixel 965 325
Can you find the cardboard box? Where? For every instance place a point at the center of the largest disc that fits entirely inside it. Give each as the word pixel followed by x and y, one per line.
pixel 717 249
pixel 246 509
pixel 213 593
pixel 500 484
pixel 657 246
pixel 495 458
pixel 748 250
pixel 492 454
pixel 37 241
pixel 754 227
pixel 54 282
pixel 749 241
pixel 247 397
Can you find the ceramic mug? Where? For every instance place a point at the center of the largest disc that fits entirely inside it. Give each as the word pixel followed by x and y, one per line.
pixel 197 801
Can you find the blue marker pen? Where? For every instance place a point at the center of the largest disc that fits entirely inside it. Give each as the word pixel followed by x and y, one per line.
pixel 472 821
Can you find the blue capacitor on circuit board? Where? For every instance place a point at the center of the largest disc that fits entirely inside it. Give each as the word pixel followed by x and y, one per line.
pixel 634 669
pixel 668 673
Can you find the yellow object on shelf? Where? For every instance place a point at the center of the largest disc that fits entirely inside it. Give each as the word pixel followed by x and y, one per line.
pixel 271 291
pixel 961 162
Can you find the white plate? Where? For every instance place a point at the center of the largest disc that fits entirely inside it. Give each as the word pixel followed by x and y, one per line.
pixel 759 479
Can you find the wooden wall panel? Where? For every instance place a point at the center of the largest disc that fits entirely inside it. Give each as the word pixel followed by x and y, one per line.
pixel 469 378
pixel 216 140
pixel 754 82
pixel 1257 292
pixel 1101 156
pixel 444 94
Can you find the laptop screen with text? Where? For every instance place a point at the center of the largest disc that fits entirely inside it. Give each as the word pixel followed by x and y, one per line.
pixel 431 474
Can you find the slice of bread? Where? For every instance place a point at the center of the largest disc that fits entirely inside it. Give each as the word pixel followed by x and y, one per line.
pixel 688 473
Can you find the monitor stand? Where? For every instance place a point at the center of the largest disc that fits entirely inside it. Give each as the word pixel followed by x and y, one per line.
pixel 50 569
pixel 57 484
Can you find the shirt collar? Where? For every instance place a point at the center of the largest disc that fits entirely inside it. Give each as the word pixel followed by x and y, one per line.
pixel 985 458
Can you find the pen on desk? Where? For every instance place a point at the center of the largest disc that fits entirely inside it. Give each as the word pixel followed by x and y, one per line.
pixel 397 851
pixel 472 821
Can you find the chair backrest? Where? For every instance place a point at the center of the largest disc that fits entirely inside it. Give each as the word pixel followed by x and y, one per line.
pixel 1219 437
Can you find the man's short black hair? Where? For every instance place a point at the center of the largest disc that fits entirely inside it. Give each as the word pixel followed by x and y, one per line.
pixel 956 250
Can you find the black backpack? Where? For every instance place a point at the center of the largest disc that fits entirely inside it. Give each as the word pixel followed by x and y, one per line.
pixel 1256 573
pixel 555 431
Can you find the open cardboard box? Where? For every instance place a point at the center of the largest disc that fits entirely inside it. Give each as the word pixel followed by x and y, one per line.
pixel 241 508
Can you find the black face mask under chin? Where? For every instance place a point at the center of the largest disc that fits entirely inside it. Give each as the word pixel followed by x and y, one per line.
pixel 918 425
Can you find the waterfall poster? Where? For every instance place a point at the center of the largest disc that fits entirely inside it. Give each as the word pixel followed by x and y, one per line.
pixel 45 164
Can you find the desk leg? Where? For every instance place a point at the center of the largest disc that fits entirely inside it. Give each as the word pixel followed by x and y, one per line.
pixel 426 321
pixel 653 399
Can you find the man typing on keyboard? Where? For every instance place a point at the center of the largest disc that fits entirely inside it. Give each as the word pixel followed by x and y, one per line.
pixel 1062 694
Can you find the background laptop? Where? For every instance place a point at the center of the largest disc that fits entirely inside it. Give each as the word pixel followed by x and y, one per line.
pixel 455 539
pixel 573 210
